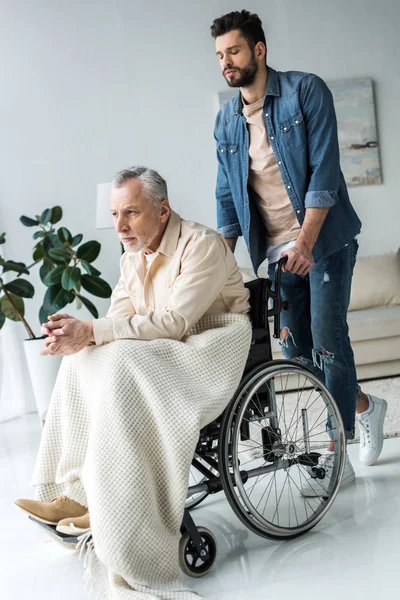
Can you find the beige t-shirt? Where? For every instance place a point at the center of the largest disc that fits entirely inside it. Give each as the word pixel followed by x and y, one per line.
pixel 265 179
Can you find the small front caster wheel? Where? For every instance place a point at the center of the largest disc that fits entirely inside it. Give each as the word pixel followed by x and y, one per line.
pixel 192 562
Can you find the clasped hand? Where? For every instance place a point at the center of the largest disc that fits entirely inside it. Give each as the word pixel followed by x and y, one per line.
pixel 66 335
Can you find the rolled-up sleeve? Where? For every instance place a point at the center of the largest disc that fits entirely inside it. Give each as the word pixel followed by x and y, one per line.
pixel 203 276
pixel 322 144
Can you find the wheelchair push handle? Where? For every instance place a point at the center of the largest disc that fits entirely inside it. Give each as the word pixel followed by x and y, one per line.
pixel 278 303
pixel 278 271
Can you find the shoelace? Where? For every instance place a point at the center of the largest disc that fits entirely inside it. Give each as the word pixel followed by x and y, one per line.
pixel 60 499
pixel 365 434
pixel 325 460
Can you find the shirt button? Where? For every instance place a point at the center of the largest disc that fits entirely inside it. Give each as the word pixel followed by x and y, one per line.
pixel 279 162
pixel 245 174
pixel 267 114
pixel 133 292
pixel 149 307
pixel 222 150
pixel 272 137
pixel 288 187
pixel 298 211
pixel 285 129
pixel 247 226
pixel 168 285
pixel 296 122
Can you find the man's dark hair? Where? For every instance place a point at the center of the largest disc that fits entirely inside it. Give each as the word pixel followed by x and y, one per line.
pixel 249 24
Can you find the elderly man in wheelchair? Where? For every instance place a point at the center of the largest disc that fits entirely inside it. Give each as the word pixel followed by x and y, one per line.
pixel 176 370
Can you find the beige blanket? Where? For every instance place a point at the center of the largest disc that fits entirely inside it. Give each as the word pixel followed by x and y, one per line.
pixel 120 435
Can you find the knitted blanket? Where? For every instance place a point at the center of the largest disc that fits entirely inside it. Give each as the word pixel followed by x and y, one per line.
pixel 120 435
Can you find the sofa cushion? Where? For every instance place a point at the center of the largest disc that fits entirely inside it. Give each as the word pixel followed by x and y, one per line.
pixel 374 323
pixel 376 281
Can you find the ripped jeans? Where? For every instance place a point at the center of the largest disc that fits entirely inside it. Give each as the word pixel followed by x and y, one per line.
pixel 317 323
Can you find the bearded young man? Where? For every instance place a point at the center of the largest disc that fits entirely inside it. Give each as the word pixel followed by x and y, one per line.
pixel 280 185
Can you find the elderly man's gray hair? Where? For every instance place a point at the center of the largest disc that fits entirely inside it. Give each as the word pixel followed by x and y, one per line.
pixel 154 186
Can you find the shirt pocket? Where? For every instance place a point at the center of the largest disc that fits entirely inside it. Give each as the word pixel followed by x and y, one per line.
pixel 229 156
pixel 293 131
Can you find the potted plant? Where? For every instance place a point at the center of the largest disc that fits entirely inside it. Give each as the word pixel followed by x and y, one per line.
pixel 12 293
pixel 62 256
pixel 65 269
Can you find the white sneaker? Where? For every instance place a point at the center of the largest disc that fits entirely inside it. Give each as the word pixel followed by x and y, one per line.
pixel 319 487
pixel 371 430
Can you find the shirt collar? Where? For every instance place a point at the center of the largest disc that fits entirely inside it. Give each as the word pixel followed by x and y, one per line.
pixel 169 241
pixel 273 89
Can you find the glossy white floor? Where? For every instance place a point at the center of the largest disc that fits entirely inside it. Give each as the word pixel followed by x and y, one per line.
pixel 353 553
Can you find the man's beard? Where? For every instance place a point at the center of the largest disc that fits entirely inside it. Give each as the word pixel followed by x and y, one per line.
pixel 247 74
pixel 140 244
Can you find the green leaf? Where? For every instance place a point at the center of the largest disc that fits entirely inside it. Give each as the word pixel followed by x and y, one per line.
pixel 64 235
pixel 8 309
pixel 47 245
pixel 70 278
pixel 20 287
pixel 54 275
pixel 38 234
pixel 90 269
pixel 55 299
pixel 49 242
pixel 43 315
pixel 60 255
pixel 10 265
pixel 56 214
pixel 96 286
pixel 38 252
pixel 89 305
pixel 28 222
pixel 89 251
pixel 46 215
pixel 76 239
pixel 45 269
pixel 2 238
pixel 2 320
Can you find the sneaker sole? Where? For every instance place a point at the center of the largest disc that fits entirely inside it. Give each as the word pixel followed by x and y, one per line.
pixel 371 461
pixel 312 494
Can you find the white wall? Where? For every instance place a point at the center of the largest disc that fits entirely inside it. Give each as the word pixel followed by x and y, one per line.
pixel 90 87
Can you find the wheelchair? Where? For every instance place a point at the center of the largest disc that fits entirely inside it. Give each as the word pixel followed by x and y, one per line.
pixel 266 445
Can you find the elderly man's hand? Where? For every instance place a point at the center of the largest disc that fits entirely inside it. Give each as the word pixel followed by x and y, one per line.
pixel 299 260
pixel 66 335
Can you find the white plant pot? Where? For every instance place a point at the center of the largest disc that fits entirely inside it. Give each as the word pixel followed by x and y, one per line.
pixel 43 373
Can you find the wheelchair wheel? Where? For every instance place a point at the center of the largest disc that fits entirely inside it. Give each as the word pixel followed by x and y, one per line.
pixel 272 436
pixel 192 562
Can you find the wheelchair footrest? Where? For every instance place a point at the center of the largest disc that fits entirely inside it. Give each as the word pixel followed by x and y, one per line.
pixel 62 537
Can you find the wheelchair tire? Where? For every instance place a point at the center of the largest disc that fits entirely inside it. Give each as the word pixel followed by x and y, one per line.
pixel 192 562
pixel 270 442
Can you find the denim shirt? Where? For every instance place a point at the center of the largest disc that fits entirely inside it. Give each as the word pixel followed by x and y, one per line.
pixel 301 124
